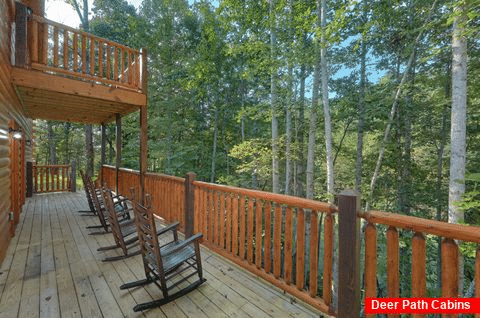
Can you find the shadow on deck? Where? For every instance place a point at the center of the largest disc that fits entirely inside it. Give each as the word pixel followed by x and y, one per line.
pixel 53 268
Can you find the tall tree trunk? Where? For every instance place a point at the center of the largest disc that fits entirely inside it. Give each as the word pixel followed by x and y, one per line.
pixel 66 137
pixel 312 131
pixel 326 106
pixel 361 113
pixel 288 111
pixel 458 123
pixel 393 111
pixel 438 195
pixel 273 100
pixel 299 127
pixel 214 147
pixel 89 149
pixel 51 144
pixel 88 129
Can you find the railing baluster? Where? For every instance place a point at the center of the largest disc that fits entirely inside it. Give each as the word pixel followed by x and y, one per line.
pixel 34 46
pixel 328 258
pixel 115 63
pixel 84 53
pixel 92 55
pixel 100 59
pixel 122 65
pixel 221 220
pixel 393 278
pixel 45 44
pixel 242 227
pixel 130 67
pixel 75 52
pixel 300 270
pixel 288 245
pixel 65 49
pixel 313 253
pixel 211 219
pixel 206 225
pixel 277 237
pixel 228 234
pixel 449 268
pixel 419 284
pixel 250 223
pixel 55 46
pixel 258 232
pixel 235 226
pixel 268 237
pixel 108 71
pixel 370 278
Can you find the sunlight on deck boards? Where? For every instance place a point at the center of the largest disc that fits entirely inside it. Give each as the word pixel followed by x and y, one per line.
pixel 53 269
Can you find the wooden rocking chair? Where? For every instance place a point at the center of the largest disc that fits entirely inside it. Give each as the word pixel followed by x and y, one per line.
pixel 120 207
pixel 124 231
pixel 168 265
pixel 87 194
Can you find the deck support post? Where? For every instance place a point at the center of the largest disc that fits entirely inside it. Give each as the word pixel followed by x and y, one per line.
pixel 143 128
pixel 349 255
pixel 118 139
pixel 189 203
pixel 29 177
pixel 103 152
pixel 73 177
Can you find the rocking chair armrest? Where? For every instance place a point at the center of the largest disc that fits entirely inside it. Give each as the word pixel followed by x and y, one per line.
pixel 193 239
pixel 170 227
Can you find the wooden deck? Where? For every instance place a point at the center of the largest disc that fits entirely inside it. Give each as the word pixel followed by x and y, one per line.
pixel 53 269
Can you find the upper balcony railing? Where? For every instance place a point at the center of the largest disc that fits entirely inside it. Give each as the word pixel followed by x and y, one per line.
pixel 59 49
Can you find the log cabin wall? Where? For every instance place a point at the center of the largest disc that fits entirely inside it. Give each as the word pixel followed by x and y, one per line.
pixel 11 116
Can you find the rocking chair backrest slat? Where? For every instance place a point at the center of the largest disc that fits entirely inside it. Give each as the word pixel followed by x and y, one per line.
pixel 147 234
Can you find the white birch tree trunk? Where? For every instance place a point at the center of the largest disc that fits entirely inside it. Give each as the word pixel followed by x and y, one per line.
pixel 326 107
pixel 273 101
pixel 458 126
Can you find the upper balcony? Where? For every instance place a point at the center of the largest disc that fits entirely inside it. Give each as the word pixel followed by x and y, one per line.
pixel 65 74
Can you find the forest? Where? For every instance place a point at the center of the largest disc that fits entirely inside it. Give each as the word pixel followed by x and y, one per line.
pixel 298 97
pixel 305 98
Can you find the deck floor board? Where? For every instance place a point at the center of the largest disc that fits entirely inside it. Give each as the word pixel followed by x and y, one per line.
pixel 53 269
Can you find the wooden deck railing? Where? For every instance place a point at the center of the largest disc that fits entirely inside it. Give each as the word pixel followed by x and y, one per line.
pixel 289 241
pixel 57 48
pixel 449 233
pixel 274 236
pixel 52 178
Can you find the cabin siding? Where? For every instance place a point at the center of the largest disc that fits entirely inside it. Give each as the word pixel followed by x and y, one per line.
pixel 11 116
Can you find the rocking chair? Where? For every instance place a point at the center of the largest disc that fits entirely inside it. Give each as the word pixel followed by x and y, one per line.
pixel 163 264
pixel 121 229
pixel 120 207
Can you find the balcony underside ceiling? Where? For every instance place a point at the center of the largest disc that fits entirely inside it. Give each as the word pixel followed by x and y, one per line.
pixel 52 97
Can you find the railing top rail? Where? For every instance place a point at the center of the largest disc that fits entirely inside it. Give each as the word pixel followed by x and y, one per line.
pixel 278 198
pixel 73 30
pixel 449 230
pixel 149 174
pixel 51 166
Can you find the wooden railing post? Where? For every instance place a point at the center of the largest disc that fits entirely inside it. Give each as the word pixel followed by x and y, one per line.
pixel 349 255
pixel 189 203
pixel 73 177
pixel 29 177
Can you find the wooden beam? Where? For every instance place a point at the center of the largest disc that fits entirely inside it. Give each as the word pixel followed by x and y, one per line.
pixel 348 255
pixel 118 138
pixel 143 128
pixel 54 83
